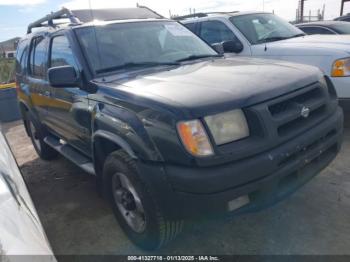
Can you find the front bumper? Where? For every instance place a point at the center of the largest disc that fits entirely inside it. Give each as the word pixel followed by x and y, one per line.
pixel 265 178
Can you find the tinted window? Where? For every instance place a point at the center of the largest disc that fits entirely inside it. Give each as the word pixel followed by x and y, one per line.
pixel 316 30
pixel 191 26
pixel 347 19
pixel 38 57
pixel 61 52
pixel 21 56
pixel 216 32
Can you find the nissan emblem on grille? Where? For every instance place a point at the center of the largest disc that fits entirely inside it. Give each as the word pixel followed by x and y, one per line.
pixel 305 112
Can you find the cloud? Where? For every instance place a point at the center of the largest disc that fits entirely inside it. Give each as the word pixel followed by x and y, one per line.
pixel 21 2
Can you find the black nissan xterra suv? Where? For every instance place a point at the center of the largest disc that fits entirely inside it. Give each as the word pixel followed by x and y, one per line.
pixel 171 129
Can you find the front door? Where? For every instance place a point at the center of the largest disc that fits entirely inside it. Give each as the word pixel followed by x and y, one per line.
pixel 63 113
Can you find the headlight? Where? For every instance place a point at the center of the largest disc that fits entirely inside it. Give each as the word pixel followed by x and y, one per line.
pixel 194 138
pixel 341 67
pixel 228 127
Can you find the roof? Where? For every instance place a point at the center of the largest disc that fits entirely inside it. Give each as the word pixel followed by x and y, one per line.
pixel 87 15
pixel 324 23
pixel 217 14
pixel 78 17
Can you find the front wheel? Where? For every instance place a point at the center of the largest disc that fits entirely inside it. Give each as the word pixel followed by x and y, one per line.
pixel 134 206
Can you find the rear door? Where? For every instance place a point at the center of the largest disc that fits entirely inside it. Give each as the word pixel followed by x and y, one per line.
pixel 64 113
pixel 39 91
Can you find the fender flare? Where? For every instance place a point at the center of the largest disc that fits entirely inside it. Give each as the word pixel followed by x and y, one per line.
pixel 115 139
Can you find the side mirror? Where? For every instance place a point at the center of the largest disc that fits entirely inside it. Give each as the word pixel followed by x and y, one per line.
pixel 63 76
pixel 232 47
pixel 218 48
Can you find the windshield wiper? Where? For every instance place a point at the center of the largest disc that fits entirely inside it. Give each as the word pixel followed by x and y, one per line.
pixel 131 65
pixel 194 57
pixel 278 38
pixel 297 35
pixel 272 39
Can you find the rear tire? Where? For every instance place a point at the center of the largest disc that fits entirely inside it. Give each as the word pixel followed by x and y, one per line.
pixel 37 136
pixel 131 197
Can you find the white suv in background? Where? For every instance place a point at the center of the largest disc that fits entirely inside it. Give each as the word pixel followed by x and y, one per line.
pixel 266 35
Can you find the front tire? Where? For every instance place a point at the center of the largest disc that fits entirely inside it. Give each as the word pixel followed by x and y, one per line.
pixel 36 135
pixel 134 205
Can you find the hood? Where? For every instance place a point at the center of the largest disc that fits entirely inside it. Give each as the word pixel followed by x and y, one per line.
pixel 217 85
pixel 327 44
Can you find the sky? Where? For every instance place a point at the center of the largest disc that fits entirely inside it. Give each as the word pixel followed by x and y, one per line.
pixel 15 15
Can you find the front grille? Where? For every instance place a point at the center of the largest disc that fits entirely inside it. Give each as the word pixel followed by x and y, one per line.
pixel 287 111
pixel 293 103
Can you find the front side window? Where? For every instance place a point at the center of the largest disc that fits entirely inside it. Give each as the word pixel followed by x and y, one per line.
pixel 38 57
pixel 216 32
pixel 61 52
pixel 263 28
pixel 115 46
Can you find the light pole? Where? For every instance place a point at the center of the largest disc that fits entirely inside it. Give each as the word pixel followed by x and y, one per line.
pixel 342 6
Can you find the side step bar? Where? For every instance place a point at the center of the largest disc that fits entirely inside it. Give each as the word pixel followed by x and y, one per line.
pixel 70 153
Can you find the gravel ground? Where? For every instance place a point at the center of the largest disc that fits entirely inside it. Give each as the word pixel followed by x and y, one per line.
pixel 315 220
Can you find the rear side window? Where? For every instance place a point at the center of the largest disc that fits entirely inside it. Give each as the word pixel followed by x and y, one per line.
pixel 21 56
pixel 216 32
pixel 38 58
pixel 61 52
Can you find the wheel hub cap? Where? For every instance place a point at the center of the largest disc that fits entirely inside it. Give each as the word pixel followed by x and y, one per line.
pixel 128 202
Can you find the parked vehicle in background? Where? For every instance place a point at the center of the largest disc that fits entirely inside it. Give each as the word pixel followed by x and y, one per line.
pixel 171 129
pixel 20 227
pixel 345 18
pixel 266 35
pixel 325 28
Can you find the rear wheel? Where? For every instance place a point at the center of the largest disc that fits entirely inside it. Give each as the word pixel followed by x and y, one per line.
pixel 37 136
pixel 134 205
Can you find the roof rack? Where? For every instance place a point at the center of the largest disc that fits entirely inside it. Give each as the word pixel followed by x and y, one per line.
pixel 88 15
pixel 64 13
pixel 199 15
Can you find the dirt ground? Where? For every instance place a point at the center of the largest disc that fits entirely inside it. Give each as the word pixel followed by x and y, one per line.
pixel 315 220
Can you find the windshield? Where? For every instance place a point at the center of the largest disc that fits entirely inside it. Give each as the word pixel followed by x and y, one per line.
pixel 342 28
pixel 263 28
pixel 123 45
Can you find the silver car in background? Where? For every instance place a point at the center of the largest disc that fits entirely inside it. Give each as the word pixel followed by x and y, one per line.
pixel 22 236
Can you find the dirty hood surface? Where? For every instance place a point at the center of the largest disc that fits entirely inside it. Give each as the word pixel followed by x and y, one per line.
pixel 217 84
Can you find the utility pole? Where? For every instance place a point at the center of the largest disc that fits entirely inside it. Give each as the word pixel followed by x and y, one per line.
pixel 342 6
pixel 301 8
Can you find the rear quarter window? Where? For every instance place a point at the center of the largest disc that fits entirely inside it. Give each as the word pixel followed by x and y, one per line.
pixel 21 56
pixel 38 57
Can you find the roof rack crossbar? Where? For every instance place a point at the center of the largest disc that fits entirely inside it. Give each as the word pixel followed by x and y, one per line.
pixel 61 14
